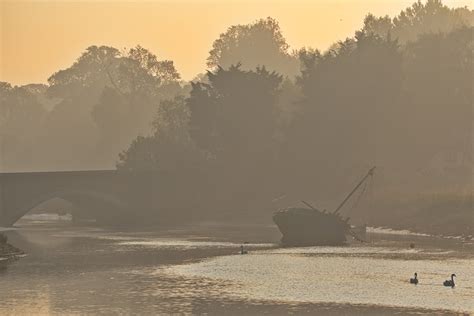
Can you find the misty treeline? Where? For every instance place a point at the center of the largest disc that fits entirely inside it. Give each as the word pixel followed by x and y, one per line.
pixel 264 120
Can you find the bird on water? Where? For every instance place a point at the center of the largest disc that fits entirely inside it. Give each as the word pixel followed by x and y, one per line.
pixel 415 279
pixel 450 282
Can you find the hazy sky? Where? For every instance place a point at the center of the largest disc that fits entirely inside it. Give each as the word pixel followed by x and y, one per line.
pixel 38 38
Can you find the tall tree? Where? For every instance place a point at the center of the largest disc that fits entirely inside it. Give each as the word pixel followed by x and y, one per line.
pixel 233 116
pixel 111 96
pixel 344 117
pixel 125 106
pixel 258 44
pixel 21 118
pixel 169 148
pixel 420 18
pixel 439 83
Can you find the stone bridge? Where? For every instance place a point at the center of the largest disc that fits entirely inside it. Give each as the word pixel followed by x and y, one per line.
pixel 103 194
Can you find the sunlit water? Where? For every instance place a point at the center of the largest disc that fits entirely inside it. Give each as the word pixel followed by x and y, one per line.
pixel 377 276
pixel 73 270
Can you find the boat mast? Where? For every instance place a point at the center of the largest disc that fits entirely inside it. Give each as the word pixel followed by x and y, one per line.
pixel 370 173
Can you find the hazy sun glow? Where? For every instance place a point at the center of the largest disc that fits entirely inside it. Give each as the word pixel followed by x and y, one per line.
pixel 40 37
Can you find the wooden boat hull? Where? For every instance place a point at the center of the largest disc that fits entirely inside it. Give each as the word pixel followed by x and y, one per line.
pixel 308 227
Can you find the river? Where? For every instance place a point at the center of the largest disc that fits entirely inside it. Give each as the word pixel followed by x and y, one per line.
pixel 72 269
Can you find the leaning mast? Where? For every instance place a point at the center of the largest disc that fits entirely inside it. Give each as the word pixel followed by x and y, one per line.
pixel 370 173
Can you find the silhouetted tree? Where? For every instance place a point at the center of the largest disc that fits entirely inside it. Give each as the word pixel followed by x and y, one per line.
pixel 233 117
pixel 421 18
pixel 90 72
pixel 252 45
pixel 21 117
pixel 349 94
pixel 169 148
pixel 439 81
pixel 111 96
pixel 138 84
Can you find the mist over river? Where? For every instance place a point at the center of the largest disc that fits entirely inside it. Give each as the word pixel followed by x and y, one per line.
pixel 72 269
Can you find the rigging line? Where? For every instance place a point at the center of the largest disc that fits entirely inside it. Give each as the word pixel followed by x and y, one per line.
pixel 372 191
pixel 354 205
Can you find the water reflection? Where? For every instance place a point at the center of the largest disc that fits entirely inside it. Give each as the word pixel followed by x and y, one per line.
pixel 343 275
pixel 74 270
pixel 71 270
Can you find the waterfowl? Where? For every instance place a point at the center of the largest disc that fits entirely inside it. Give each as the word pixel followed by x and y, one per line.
pixel 415 279
pixel 450 282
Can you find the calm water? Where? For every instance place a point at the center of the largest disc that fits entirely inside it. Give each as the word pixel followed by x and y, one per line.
pixel 364 276
pixel 81 270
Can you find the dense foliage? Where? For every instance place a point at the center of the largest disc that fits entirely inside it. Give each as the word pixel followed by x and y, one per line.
pixel 398 94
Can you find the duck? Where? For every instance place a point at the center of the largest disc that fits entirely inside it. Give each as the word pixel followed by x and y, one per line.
pixel 450 282
pixel 415 279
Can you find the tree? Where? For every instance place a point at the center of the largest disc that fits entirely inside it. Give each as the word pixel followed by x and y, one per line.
pixel 233 117
pixel 258 44
pixel 430 17
pixel 137 85
pixel 349 95
pixel 19 107
pixel 21 117
pixel 93 69
pixel 169 148
pixel 110 95
pixel 439 79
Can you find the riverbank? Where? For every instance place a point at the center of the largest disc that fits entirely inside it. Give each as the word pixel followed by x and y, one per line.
pixel 9 253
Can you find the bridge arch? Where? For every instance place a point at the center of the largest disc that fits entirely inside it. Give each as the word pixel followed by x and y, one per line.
pixel 82 197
